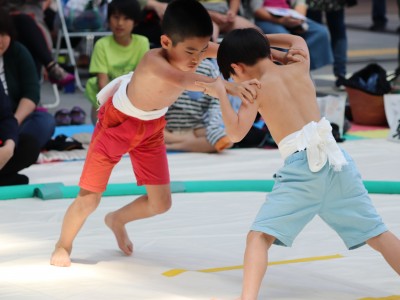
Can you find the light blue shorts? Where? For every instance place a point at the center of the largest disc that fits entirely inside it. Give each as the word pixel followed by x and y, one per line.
pixel 339 198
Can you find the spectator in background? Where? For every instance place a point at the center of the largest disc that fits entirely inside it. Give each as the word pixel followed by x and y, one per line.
pixel 194 121
pixel 17 151
pixel 117 54
pixel 315 34
pixel 335 19
pixel 33 34
pixel 224 15
pixel 20 81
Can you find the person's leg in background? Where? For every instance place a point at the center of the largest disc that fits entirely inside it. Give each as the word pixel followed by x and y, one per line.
pixel 269 27
pixel 379 19
pixel 318 41
pixel 337 29
pixel 40 125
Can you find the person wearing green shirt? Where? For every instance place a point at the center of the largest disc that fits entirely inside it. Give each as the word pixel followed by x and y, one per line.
pixel 117 54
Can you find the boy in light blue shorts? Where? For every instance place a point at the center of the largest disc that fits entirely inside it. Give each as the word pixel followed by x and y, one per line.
pixel 317 177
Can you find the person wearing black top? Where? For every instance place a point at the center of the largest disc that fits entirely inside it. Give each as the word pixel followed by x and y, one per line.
pixel 17 151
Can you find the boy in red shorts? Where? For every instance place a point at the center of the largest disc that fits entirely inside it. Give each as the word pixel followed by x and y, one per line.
pixel 131 120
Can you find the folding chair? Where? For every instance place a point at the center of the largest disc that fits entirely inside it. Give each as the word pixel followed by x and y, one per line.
pixel 63 33
pixel 56 96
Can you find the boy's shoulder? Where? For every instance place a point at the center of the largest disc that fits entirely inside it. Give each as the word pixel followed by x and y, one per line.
pixel 152 59
pixel 155 55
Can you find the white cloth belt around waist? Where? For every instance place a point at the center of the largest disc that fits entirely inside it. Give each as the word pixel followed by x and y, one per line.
pixel 320 143
pixel 117 90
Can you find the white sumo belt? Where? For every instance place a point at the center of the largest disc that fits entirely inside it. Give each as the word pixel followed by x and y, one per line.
pixel 117 89
pixel 321 146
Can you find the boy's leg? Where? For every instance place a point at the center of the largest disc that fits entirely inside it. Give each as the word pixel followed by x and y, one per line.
pixel 255 263
pixel 389 246
pixel 76 215
pixel 157 201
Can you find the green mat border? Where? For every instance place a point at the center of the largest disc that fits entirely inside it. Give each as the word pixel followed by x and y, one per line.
pixel 58 190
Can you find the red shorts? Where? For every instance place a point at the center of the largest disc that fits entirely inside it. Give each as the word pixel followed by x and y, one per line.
pixel 116 134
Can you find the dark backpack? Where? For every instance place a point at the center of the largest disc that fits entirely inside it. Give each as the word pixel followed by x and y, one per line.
pixel 371 79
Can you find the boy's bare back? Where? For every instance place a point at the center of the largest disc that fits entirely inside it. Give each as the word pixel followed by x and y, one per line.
pixel 287 99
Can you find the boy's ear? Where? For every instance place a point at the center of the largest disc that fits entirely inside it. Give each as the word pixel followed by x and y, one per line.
pixel 238 68
pixel 165 41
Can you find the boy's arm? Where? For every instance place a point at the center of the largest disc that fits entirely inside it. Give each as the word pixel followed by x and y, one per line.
pixel 237 125
pixel 212 50
pixel 290 41
pixel 288 57
pixel 186 80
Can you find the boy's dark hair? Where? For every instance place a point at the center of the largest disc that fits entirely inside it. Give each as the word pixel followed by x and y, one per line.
pixel 129 8
pixel 186 19
pixel 7 24
pixel 245 46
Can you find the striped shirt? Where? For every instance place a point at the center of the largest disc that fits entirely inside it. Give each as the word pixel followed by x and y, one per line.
pixel 195 110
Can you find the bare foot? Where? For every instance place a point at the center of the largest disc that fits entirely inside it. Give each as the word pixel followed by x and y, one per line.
pixel 120 233
pixel 60 257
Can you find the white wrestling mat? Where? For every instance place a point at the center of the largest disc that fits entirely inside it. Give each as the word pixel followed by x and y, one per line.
pixel 195 250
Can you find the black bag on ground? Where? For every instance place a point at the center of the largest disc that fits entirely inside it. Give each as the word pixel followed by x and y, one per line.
pixel 372 79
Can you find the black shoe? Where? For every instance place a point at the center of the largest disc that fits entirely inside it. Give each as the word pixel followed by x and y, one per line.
pixel 377 27
pixel 14 179
pixel 339 83
pixel 63 143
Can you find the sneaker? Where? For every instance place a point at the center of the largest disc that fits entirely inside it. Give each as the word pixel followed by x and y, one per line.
pixel 62 117
pixel 77 116
pixel 339 83
pixel 59 76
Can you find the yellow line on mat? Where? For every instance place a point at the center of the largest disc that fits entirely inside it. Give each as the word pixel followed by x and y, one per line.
pixel 372 52
pixel 175 272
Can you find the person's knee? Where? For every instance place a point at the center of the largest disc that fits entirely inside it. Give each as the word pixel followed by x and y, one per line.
pixel 87 201
pixel 257 236
pixel 161 205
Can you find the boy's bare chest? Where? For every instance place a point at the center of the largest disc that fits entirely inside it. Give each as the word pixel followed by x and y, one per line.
pixel 153 94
